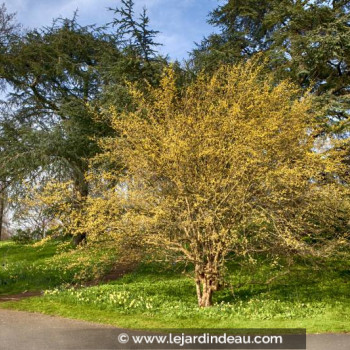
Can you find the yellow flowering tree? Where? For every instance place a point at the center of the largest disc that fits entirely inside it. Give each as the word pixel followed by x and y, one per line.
pixel 55 203
pixel 228 166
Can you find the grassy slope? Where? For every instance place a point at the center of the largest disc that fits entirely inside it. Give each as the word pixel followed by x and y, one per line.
pixel 48 264
pixel 19 267
pixel 156 296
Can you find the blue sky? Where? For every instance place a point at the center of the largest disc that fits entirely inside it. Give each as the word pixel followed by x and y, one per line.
pixel 181 22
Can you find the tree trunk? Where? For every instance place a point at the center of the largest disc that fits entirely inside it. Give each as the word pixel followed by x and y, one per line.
pixel 79 239
pixel 82 188
pixel 206 284
pixel 204 294
pixel 2 209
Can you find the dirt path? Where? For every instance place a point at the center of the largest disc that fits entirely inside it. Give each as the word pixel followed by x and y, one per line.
pixel 19 296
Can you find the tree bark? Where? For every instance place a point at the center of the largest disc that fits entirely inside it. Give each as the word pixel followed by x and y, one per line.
pixel 79 239
pixel 206 284
pixel 82 187
pixel 2 210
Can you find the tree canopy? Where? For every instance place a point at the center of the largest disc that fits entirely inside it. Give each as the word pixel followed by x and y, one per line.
pixel 307 41
pixel 227 166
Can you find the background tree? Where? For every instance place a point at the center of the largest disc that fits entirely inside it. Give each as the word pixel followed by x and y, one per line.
pixel 59 79
pixel 308 41
pixel 138 61
pixel 227 167
pixel 9 30
pixel 133 34
pixel 53 78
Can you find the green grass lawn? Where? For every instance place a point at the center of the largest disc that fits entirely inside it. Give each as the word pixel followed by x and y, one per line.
pixel 35 267
pixel 158 296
